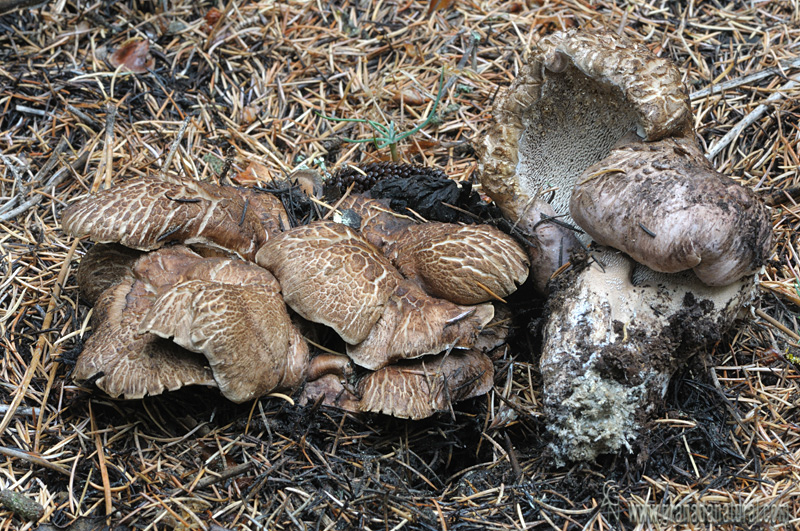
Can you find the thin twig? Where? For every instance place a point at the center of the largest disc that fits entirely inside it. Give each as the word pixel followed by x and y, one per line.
pixel 749 120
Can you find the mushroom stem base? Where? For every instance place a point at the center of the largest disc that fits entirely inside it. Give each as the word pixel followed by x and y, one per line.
pixel 615 335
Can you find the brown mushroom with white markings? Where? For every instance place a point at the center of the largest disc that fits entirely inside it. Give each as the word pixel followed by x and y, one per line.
pixel 227 315
pixel 331 275
pixel 594 140
pixel 149 213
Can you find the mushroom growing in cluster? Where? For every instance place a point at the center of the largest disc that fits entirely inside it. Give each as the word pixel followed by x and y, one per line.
pixel 181 277
pixel 594 141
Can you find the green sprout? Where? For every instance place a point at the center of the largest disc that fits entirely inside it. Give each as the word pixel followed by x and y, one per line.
pixel 386 135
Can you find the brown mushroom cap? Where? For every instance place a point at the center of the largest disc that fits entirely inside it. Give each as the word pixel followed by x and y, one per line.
pixel 331 275
pixel 664 205
pixel 448 261
pixel 418 389
pixel 379 223
pixel 147 213
pixel 124 363
pixel 226 309
pixel 467 264
pixel 414 324
pixel 103 266
pixel 243 331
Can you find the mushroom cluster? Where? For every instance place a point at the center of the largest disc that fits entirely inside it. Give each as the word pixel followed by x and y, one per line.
pixel 593 145
pixel 190 283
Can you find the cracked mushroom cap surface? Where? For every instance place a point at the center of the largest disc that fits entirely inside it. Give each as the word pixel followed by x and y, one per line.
pixel 465 264
pixel 417 389
pixel 378 223
pixel 170 315
pixel 103 266
pixel 331 275
pixel 227 315
pixel 592 120
pixel 122 362
pixel 414 324
pixel 147 213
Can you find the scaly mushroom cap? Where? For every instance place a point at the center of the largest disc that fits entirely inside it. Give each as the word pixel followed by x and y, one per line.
pixel 664 205
pixel 414 324
pixel 420 388
pixel 467 264
pixel 243 331
pixel 331 275
pixel 124 363
pixel 148 213
pixel 226 309
pixel 409 389
pixel 448 261
pixel 379 224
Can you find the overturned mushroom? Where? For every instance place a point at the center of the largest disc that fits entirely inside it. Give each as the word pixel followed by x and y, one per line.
pixel 597 132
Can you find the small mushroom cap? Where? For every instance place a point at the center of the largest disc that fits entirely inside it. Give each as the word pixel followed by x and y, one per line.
pixel 124 363
pixel 103 266
pixel 165 267
pixel 467 264
pixel 550 241
pixel 418 389
pixel 243 331
pixel 414 324
pixel 666 206
pixel 331 275
pixel 332 391
pixel 147 213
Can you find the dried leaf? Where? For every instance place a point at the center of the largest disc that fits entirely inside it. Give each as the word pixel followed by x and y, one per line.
pixel 134 55
pixel 253 174
pixel 409 97
pixel 438 5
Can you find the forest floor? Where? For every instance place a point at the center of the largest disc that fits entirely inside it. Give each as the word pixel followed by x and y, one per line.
pixel 246 81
